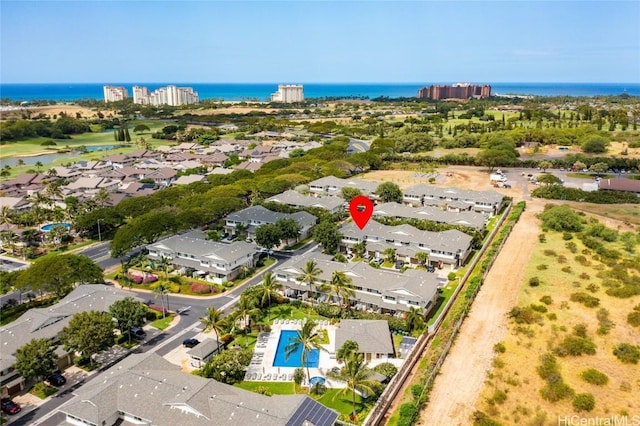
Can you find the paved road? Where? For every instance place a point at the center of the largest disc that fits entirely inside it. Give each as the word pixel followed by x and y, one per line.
pixel 162 343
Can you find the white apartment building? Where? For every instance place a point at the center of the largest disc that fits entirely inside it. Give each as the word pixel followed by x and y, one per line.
pixel 288 93
pixel 169 95
pixel 115 93
pixel 141 95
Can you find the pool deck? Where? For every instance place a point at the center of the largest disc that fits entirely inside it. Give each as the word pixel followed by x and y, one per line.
pixel 261 367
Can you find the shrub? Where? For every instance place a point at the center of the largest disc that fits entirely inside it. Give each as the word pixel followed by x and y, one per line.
pixel 499 396
pixel 634 317
pixel 263 390
pixel 575 346
pixel 567 269
pixel 627 353
pixel 482 419
pixel 416 392
pixel 159 309
pixel 567 236
pixel 451 276
pixel 539 308
pixel 408 412
pixel 593 288
pixel 581 259
pixel 542 267
pixel 586 299
pixel 556 391
pixel 200 288
pixel 584 402
pixel 298 375
pixel 499 348
pixel 549 369
pixel 48 143
pixel 547 300
pixel 594 377
pixel 534 281
pixel 524 315
pixel 562 259
pixel 580 330
pixel 542 238
pixel 150 279
pixel 552 316
pixel 387 369
pixel 550 253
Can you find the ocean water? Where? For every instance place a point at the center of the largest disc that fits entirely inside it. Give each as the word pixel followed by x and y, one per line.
pixel 261 91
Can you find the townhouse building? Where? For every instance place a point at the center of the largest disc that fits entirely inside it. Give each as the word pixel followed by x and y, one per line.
pixel 375 290
pixel 253 217
pixel 47 323
pixel 331 185
pixel 454 199
pixel 434 214
pixel 451 247
pixel 146 389
pixel 295 199
pixel 195 256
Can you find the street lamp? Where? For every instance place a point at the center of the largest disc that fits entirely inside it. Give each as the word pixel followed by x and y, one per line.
pixel 99 235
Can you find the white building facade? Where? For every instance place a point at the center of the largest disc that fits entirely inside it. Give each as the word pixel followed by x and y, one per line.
pixel 169 95
pixel 115 93
pixel 288 93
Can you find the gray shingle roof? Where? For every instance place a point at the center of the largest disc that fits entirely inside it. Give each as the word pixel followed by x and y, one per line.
pixel 372 336
pixel 149 387
pixel 293 198
pixel 263 215
pixel 466 218
pixel 48 322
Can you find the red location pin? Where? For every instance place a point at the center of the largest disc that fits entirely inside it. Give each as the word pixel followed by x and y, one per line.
pixel 361 209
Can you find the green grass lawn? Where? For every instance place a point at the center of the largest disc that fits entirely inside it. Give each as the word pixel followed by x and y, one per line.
pixel 42 390
pixel 342 402
pixel 275 388
pixel 447 292
pixel 162 323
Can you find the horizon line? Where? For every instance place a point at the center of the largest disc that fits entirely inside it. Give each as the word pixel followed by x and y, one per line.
pixel 325 82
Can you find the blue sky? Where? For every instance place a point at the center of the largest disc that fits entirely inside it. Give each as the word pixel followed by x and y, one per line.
pixel 319 41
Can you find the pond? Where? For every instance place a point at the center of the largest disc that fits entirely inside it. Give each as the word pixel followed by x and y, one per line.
pixel 50 158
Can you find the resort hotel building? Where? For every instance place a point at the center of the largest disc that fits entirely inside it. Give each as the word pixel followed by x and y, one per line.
pixel 288 93
pixel 115 93
pixel 456 91
pixel 169 95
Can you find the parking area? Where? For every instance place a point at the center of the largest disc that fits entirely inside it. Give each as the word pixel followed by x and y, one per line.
pixel 178 355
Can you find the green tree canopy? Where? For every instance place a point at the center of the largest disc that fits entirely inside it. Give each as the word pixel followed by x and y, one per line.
pixel 59 273
pixel 594 144
pixel 326 233
pixel 228 366
pixel 549 179
pixel 128 313
pixel 349 193
pixel 289 228
pixel 88 333
pixel 561 218
pixel 36 359
pixel 268 236
pixel 389 192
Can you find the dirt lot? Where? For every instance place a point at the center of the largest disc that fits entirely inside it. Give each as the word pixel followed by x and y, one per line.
pixel 459 176
pixel 463 373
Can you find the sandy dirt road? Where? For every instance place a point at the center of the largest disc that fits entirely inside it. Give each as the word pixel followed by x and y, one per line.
pixel 463 373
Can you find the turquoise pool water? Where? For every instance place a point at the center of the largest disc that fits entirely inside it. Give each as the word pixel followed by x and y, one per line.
pixel 295 359
pixel 49 226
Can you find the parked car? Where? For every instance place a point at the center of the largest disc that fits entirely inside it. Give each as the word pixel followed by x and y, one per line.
pixel 190 343
pixel 378 260
pixel 399 264
pixel 431 268
pixel 506 185
pixel 56 379
pixel 137 333
pixel 9 407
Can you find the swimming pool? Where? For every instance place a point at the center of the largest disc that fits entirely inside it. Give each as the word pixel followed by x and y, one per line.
pixel 48 227
pixel 295 360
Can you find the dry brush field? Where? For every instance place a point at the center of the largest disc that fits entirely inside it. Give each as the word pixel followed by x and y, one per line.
pixel 569 308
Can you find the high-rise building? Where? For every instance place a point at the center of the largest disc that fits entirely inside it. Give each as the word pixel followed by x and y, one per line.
pixel 141 95
pixel 456 91
pixel 169 95
pixel 288 93
pixel 115 93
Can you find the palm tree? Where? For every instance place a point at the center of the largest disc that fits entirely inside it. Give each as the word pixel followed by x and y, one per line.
pixel 10 239
pixel 308 340
pixel 422 257
pixel 6 215
pixel 309 276
pixel 162 288
pixel 356 375
pixel 163 264
pixel 213 321
pixel 267 289
pixel 52 172
pixel 247 309
pixel 102 197
pixel 360 249
pixel 414 318
pixel 53 190
pixel 390 253
pixel 340 286
pixel 38 166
